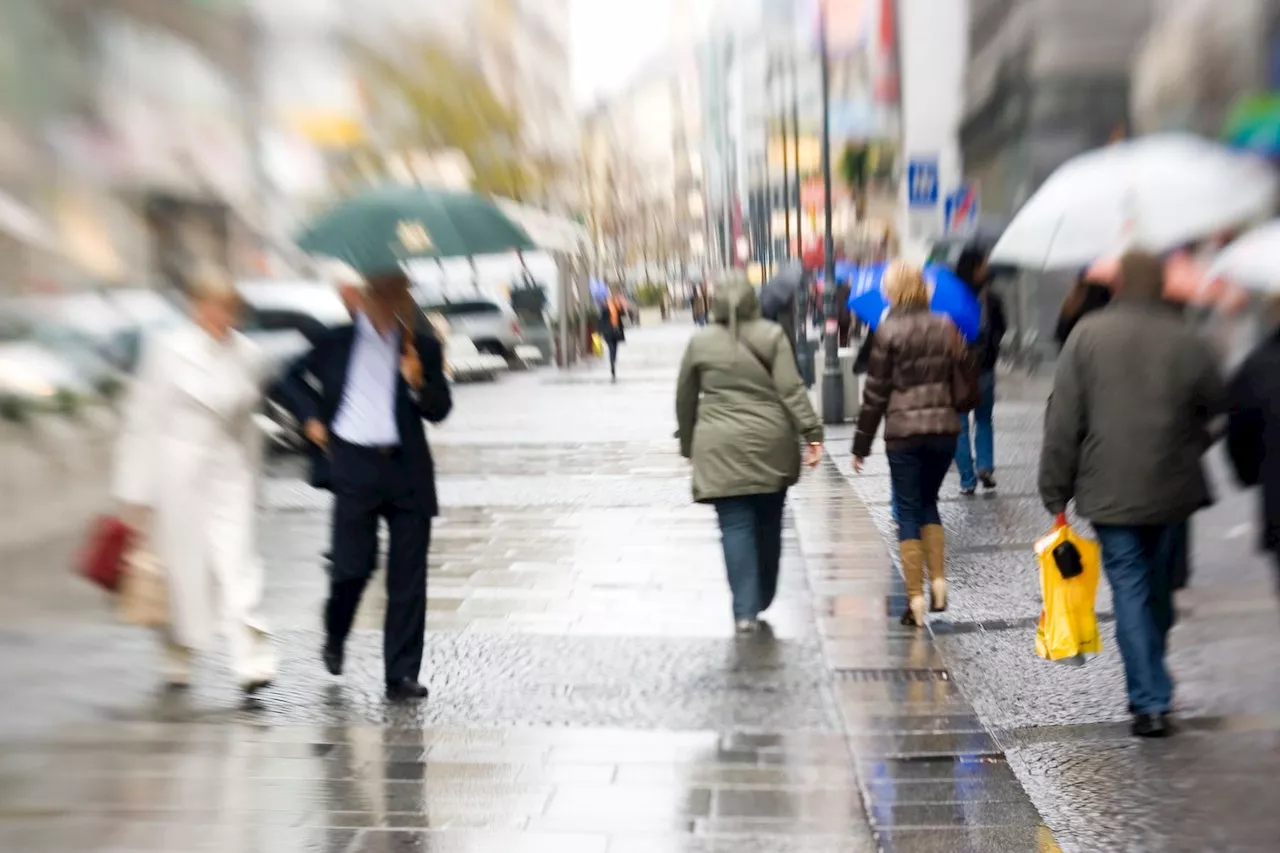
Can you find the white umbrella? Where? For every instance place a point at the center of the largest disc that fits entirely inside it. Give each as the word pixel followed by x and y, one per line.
pixel 1253 260
pixel 1154 193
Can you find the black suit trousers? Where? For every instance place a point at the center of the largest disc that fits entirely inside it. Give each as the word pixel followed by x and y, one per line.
pixel 369 485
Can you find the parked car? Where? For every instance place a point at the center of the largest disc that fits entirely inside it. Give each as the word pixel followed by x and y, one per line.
pixel 34 376
pixel 490 325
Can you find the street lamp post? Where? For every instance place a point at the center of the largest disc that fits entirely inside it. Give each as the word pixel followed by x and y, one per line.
pixel 786 184
pixel 806 351
pixel 832 381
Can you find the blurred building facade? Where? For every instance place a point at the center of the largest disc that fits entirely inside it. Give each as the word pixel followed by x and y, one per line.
pixel 1045 81
pixel 134 126
pixel 1198 58
pixel 643 172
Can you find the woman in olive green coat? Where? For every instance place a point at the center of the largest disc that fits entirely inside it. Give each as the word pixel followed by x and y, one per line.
pixel 743 411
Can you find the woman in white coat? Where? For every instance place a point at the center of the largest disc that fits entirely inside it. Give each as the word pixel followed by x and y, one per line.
pixel 187 465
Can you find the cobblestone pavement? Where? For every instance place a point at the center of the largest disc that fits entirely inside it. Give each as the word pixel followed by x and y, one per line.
pixel 1064 729
pixel 587 691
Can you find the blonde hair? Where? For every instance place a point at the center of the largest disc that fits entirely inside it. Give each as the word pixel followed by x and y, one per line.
pixel 212 284
pixel 904 286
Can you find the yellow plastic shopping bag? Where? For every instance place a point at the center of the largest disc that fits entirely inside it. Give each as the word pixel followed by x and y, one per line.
pixel 597 344
pixel 1069 569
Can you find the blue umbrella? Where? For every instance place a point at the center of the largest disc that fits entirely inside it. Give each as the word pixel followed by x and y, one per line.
pixel 948 295
pixel 599 291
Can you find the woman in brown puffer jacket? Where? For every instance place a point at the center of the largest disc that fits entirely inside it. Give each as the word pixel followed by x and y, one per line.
pixel 910 384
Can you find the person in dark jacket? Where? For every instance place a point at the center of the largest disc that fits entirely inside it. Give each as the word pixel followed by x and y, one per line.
pixel 980 441
pixel 778 299
pixel 1253 431
pixel 361 395
pixel 844 316
pixel 612 323
pixel 1135 391
pixel 1083 299
pixel 910 386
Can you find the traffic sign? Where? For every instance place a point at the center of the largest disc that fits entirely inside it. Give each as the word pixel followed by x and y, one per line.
pixel 922 183
pixel 961 208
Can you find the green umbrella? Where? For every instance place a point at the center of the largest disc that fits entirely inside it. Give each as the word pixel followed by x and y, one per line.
pixel 377 230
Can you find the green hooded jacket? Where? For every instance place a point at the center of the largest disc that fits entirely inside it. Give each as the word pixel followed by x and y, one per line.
pixel 740 403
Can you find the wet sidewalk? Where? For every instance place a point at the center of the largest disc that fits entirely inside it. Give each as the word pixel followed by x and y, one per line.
pixel 588 693
pixel 1064 729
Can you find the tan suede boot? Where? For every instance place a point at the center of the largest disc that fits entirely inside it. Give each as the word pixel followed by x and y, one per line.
pixel 935 558
pixel 912 551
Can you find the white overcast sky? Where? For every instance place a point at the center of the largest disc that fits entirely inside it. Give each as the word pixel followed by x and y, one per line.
pixel 611 42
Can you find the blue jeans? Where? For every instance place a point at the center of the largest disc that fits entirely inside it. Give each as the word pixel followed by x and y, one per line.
pixel 917 473
pixel 751 534
pixel 983 442
pixel 1140 564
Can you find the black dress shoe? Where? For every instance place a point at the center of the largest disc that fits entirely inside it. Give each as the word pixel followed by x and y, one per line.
pixel 1150 725
pixel 405 689
pixel 333 660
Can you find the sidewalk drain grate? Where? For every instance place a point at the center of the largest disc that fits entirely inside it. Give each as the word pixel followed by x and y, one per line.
pixel 892 676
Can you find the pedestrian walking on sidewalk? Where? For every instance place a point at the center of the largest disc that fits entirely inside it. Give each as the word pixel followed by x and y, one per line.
pixel 911 385
pixel 979 441
pixel 612 329
pixel 1253 430
pixel 361 394
pixel 742 411
pixel 187 466
pixel 1085 297
pixel 1126 426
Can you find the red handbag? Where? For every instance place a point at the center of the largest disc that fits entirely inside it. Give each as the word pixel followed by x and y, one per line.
pixel 102 561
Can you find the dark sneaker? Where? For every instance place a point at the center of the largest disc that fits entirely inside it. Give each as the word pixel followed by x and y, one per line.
pixel 968 492
pixel 1150 725
pixel 988 479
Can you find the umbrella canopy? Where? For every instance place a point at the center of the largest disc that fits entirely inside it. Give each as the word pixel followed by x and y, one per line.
pixel 1254 124
pixel 378 230
pixel 1155 193
pixel 780 291
pixel 1253 261
pixel 948 295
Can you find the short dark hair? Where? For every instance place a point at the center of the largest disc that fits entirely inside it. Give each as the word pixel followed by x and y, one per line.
pixel 967 265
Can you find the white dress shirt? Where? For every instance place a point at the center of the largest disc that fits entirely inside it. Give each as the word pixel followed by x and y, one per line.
pixel 367 415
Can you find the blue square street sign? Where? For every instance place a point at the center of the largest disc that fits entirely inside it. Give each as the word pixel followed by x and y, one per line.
pixel 922 183
pixel 960 210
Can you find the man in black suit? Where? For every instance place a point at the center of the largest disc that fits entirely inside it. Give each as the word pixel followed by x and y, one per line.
pixel 361 394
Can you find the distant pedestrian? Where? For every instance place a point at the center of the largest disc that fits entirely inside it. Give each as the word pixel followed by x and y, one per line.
pixel 980 442
pixel 699 307
pixel 844 315
pixel 1128 421
pixel 911 385
pixel 742 412
pixel 613 316
pixel 362 394
pixel 1253 431
pixel 188 465
pixel 1085 297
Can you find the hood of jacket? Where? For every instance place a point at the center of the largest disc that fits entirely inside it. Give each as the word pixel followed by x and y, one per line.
pixel 735 302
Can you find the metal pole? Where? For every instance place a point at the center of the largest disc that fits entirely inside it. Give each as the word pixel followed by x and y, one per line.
pixel 786 186
pixel 806 351
pixel 766 230
pixel 832 381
